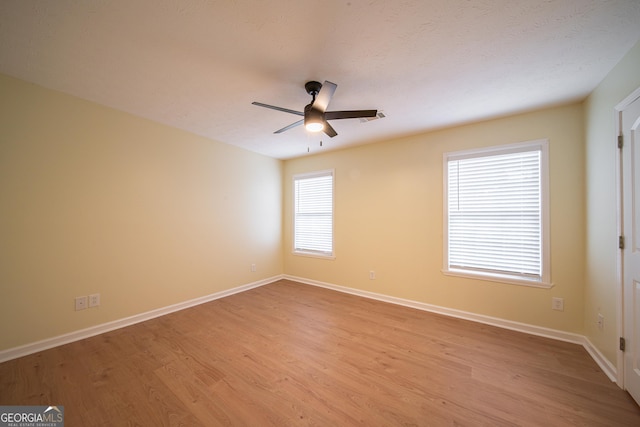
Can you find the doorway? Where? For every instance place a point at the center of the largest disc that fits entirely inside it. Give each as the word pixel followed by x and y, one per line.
pixel 629 145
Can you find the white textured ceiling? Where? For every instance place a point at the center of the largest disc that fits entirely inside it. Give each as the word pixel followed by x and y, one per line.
pixel 197 65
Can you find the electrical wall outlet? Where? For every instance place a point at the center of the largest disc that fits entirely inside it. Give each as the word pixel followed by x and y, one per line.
pixel 94 300
pixel 600 321
pixel 253 268
pixel 82 303
pixel 372 275
pixel 557 304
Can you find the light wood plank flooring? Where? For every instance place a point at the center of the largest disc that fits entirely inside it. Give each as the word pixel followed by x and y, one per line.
pixel 288 354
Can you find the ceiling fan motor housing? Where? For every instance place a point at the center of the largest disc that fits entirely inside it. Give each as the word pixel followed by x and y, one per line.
pixel 311 115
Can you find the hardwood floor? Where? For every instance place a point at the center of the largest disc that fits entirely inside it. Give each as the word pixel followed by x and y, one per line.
pixel 292 354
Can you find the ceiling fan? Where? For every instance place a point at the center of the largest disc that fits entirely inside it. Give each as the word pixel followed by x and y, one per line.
pixel 315 114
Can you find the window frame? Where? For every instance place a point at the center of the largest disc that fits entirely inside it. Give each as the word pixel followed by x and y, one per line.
pixel 544 281
pixel 310 252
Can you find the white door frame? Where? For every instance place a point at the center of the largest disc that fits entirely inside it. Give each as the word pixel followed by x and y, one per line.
pixel 620 214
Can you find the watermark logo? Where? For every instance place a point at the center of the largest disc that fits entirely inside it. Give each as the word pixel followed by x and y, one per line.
pixel 31 416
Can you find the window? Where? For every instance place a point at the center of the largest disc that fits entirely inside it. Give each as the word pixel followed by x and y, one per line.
pixel 313 213
pixel 496 213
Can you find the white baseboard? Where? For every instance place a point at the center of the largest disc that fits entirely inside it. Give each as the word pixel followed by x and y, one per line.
pixel 607 367
pixel 597 356
pixel 48 343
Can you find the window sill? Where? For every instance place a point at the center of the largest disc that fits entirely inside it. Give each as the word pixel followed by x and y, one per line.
pixel 499 278
pixel 314 255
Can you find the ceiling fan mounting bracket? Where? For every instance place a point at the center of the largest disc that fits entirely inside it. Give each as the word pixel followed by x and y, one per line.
pixel 313 87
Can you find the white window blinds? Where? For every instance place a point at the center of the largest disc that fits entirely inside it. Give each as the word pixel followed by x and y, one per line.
pixel 313 213
pixel 495 212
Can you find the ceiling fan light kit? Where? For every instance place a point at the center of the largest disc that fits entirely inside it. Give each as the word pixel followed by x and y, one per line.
pixel 315 113
pixel 314 126
pixel 313 119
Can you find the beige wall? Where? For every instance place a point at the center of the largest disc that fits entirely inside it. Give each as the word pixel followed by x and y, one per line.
pixel 94 200
pixel 388 218
pixel 602 286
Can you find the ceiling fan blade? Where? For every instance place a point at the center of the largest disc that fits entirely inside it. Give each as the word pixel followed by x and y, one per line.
pixel 355 114
pixel 330 131
pixel 273 107
pixel 292 125
pixel 324 96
